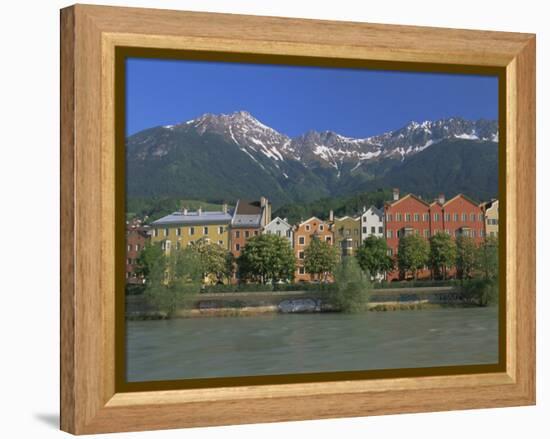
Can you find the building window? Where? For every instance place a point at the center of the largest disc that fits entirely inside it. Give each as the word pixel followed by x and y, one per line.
pixel 426 217
pixel 390 252
pixel 301 254
pixel 408 217
pixel 388 217
pixel 137 247
pixel 426 233
pixel 168 245
pixel 246 234
pixel 373 229
pixel 464 217
pixel 436 217
pixel 166 232
pixel 278 232
pixel 321 227
pixel 129 248
pixel 238 247
pixel 456 216
pixel 308 228
pixel 237 234
pixel 398 217
pixel 472 217
pixel 155 232
pixel 205 231
pixel 301 240
pixel 481 217
pixel 178 231
pixel 447 217
pixel 162 245
pixel 255 233
pixel 389 233
pixel 191 231
pixel 481 233
pixel 220 242
pixel 220 230
pixel 416 217
pixel 473 233
pixel 129 261
pixel 365 219
pixel 328 239
pixel 288 233
pixel 178 245
pixel 380 229
pixel 364 229
pixel 302 270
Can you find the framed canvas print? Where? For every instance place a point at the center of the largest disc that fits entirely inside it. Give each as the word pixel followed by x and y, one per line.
pixel 268 219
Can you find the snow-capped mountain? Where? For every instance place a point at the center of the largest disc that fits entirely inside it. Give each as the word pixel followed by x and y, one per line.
pixel 332 149
pixel 233 146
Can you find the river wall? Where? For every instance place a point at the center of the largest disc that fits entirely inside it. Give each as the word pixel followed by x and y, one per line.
pixel 220 304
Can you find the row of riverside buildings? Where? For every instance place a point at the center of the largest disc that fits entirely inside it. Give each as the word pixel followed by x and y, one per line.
pixel 231 228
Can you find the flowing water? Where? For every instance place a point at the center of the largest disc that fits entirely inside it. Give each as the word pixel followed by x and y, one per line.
pixel 302 343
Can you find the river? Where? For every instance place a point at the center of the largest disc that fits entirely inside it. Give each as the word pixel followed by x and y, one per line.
pixel 301 343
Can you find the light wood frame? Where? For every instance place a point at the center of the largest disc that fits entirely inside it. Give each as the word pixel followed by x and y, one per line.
pixel 89 402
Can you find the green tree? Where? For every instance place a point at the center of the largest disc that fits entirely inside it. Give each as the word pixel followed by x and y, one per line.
pixel 373 256
pixel 215 260
pixel 351 289
pixel 320 258
pixel 151 263
pixel 442 254
pixel 267 258
pixel 413 253
pixel 179 283
pixel 487 258
pixel 466 257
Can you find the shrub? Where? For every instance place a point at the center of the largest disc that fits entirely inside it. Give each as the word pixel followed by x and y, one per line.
pixel 350 291
pixel 483 292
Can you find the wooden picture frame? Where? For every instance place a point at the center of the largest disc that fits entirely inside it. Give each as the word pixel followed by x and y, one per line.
pixel 91 402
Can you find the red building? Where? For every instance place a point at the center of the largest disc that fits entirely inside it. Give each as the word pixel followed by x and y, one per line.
pixel 137 237
pixel 460 216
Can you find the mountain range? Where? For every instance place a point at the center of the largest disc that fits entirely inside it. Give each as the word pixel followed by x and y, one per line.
pixel 230 156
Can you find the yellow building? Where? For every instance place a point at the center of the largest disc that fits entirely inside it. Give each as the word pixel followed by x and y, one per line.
pixel 491 218
pixel 347 234
pixel 184 227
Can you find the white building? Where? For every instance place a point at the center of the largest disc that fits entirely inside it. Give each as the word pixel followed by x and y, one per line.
pixel 372 223
pixel 279 227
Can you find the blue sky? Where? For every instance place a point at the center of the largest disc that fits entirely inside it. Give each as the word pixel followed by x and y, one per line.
pixel 293 100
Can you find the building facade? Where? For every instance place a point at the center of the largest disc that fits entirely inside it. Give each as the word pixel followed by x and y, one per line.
pixel 249 219
pixel 280 227
pixel 137 237
pixel 490 210
pixel 303 234
pixel 459 216
pixel 372 223
pixel 347 234
pixel 182 228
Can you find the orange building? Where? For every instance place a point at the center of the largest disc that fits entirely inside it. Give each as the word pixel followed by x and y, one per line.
pixel 303 234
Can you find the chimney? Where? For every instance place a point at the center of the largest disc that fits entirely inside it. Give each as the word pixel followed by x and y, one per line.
pixel 199 211
pixel 331 215
pixel 395 194
pixel 441 198
pixel 224 208
pixel 184 210
pixel 263 201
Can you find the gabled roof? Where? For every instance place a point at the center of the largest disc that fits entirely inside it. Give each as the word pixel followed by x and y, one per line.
pixel 309 220
pixel 274 221
pixel 374 209
pixel 394 203
pixel 347 217
pixel 468 199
